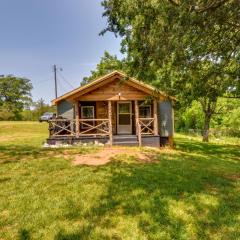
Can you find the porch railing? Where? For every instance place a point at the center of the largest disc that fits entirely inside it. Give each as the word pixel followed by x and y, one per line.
pixel 86 127
pixel 94 127
pixel 61 127
pixel 144 127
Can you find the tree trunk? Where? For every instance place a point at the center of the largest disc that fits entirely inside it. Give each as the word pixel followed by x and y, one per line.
pixel 207 119
pixel 209 107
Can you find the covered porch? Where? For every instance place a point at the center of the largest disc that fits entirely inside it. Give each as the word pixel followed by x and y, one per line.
pixel 114 109
pixel 109 122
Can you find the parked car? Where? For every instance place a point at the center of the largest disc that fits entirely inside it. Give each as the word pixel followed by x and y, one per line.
pixel 47 116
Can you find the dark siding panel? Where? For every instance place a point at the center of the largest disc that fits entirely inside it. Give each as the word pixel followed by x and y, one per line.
pixel 151 141
pixel 65 109
pixel 165 119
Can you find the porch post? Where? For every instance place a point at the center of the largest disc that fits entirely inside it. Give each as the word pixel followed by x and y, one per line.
pixel 155 116
pixel 138 131
pixel 77 118
pixel 136 115
pixel 110 122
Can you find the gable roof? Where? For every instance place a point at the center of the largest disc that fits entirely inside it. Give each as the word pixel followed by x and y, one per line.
pixel 104 79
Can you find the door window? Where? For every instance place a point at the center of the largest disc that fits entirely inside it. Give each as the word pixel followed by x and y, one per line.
pixel 124 118
pixel 124 108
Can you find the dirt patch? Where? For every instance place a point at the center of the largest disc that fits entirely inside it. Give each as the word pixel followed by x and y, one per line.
pixel 233 177
pixel 105 155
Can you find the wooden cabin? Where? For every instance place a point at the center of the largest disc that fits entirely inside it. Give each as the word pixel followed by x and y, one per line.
pixel 114 110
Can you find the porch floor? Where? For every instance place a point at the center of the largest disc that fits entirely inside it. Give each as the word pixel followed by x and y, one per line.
pixel 121 140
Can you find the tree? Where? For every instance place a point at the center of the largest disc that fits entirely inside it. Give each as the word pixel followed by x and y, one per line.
pixel 108 63
pixel 41 107
pixel 36 110
pixel 187 48
pixel 189 118
pixel 14 96
pixel 225 121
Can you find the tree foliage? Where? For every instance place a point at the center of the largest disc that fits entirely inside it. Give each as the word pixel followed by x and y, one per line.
pixel 15 94
pixel 36 110
pixel 108 63
pixel 190 49
pixel 226 119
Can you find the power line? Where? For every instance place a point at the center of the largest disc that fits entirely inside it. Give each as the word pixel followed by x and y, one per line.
pixel 64 79
pixel 61 87
pixel 57 72
pixel 42 81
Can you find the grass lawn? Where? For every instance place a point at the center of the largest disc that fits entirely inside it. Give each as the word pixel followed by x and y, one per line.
pixel 192 192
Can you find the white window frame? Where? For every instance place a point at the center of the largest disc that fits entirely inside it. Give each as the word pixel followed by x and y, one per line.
pixel 93 109
pixel 124 129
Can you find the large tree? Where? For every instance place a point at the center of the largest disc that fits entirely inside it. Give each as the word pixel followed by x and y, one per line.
pixel 187 48
pixel 14 96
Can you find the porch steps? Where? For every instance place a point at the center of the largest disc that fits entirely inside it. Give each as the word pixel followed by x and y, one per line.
pixel 125 140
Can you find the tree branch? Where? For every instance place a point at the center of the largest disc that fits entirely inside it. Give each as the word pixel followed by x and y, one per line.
pixel 211 6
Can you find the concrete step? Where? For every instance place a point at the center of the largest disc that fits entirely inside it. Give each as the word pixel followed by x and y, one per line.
pixel 126 143
pixel 125 138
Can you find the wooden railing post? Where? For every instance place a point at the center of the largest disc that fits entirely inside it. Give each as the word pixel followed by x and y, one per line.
pixel 77 118
pixel 155 116
pixel 136 115
pixel 110 122
pixel 138 127
pixel 139 135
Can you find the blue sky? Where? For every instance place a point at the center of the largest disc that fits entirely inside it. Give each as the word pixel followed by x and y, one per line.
pixel 35 34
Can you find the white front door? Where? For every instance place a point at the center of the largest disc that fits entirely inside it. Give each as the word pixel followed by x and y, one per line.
pixel 124 117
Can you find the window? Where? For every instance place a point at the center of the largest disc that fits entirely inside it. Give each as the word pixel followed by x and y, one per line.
pixel 124 108
pixel 145 111
pixel 87 112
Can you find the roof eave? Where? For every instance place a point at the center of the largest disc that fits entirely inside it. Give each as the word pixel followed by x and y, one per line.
pixel 98 80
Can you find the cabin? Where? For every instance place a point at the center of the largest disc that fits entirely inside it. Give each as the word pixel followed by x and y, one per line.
pixel 115 110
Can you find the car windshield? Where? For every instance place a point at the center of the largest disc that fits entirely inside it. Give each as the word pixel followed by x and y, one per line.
pixel 47 114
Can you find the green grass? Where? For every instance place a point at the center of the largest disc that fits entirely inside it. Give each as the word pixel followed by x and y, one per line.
pixel 192 192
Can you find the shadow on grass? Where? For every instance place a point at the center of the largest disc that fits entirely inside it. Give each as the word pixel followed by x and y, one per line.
pixel 6 179
pixel 226 150
pixel 185 195
pixel 24 234
pixel 15 153
pixel 180 197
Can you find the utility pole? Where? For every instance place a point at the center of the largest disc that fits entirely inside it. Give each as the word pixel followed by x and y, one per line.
pixel 55 79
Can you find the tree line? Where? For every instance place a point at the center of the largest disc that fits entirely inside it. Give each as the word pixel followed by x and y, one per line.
pixel 16 101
